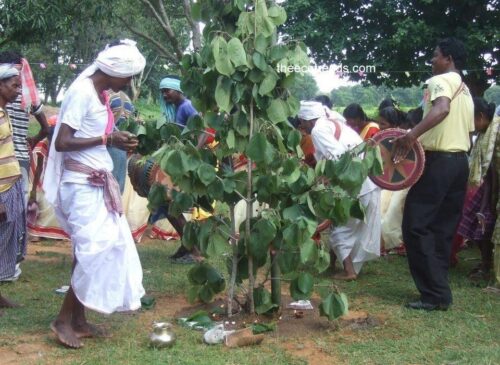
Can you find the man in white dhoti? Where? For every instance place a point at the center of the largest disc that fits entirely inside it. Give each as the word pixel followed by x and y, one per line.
pixel 107 273
pixel 357 241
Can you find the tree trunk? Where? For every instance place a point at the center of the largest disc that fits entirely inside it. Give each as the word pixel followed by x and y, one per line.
pixel 275 279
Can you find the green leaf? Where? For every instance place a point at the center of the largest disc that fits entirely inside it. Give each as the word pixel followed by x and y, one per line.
pixel 192 293
pixel 236 52
pixel 261 43
pixel 157 197
pixel 240 124
pixel 293 139
pixel 263 327
pixel 206 173
pixel 198 274
pixel 206 294
pixel 266 230
pixel 277 111
pixel 288 261
pixel 295 291
pixel 333 306
pixel 195 123
pixel 223 94
pixel 220 53
pixel 257 148
pixel 278 52
pixel 173 164
pixel 259 61
pixel 231 141
pixel 262 300
pixel 180 203
pixel 308 252
pixel 190 235
pixel 291 171
pixel 216 190
pixel 268 84
pixel 216 245
pixel 323 260
pixel 277 14
pixel 305 282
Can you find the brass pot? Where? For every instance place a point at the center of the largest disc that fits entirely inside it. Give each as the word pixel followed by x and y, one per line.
pixel 162 335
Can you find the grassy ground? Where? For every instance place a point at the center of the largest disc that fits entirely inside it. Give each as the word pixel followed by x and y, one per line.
pixel 467 334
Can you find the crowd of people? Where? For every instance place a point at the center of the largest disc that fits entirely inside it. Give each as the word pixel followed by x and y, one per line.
pixel 70 182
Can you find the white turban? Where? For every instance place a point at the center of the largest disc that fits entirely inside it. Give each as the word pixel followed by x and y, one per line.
pixel 310 110
pixel 8 70
pixel 123 60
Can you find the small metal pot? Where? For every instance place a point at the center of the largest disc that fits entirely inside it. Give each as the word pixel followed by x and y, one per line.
pixel 162 335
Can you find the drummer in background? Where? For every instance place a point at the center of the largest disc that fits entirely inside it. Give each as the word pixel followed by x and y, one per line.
pixel 433 205
pixel 177 109
pixel 356 119
pixel 357 241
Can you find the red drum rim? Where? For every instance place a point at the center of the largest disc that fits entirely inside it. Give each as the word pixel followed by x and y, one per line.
pixel 404 174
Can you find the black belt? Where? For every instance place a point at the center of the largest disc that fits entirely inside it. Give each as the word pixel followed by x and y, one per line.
pixel 447 154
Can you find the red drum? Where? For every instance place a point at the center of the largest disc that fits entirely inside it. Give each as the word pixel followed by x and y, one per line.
pixel 403 174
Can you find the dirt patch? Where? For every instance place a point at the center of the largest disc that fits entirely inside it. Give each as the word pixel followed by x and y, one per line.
pixel 289 324
pixel 310 352
pixel 38 251
pixel 30 350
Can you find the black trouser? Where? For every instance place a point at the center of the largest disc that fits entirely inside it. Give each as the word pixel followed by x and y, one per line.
pixel 432 211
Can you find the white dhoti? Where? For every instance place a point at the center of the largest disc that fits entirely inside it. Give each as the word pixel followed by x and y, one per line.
pixel 392 219
pixel 360 239
pixel 108 274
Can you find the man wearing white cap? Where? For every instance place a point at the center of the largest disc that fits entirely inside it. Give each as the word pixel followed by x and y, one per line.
pixel 107 273
pixel 12 213
pixel 358 241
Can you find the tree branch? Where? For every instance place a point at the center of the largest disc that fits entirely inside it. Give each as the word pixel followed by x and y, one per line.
pixel 164 52
pixel 170 32
pixel 195 29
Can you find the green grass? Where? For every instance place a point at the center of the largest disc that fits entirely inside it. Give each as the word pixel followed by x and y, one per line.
pixel 466 334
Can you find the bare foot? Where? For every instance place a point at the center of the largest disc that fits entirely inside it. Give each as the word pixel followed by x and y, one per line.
pixel 7 303
pixel 89 330
pixel 345 276
pixel 65 335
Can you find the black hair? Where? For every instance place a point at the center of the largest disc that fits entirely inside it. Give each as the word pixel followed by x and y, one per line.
pixel 482 106
pixel 325 100
pixel 414 116
pixel 10 57
pixel 294 121
pixel 387 102
pixel 394 116
pixel 455 48
pixel 354 111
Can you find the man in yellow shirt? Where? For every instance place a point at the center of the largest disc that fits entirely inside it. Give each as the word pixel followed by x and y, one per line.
pixel 12 215
pixel 433 206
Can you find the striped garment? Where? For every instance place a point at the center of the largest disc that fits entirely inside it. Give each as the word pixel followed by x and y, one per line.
pixel 20 122
pixel 12 231
pixel 10 171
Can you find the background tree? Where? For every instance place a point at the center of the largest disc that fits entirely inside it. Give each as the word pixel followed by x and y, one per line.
pixel 305 87
pixel 397 36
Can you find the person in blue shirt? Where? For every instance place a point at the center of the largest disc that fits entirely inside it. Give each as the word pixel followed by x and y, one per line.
pixel 177 109
pixel 174 105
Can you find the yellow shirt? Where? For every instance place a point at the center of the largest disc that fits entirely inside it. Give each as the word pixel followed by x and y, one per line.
pixel 452 134
pixel 10 171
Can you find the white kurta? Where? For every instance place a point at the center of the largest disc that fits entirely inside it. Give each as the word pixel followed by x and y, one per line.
pixel 108 274
pixel 359 239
